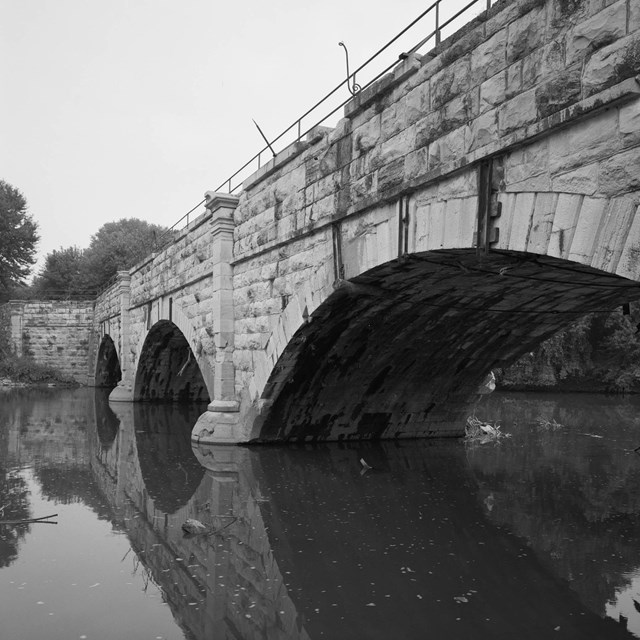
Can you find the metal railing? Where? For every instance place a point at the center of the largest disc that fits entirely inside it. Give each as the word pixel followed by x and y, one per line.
pixel 298 130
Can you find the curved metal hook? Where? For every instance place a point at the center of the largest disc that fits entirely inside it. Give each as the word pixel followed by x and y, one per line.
pixel 355 87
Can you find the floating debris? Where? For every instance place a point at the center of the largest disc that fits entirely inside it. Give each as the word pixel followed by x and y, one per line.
pixel 548 425
pixel 482 432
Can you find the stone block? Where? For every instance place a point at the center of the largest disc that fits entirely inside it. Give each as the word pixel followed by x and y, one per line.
pixel 416 104
pixel 613 233
pixel 520 221
pixel 447 149
pixel 586 232
pixel 584 142
pixel 459 186
pixel 558 93
pixel 492 91
pixel 450 82
pixel 630 123
pixel 517 113
pixel 429 128
pixel 488 58
pixel 513 80
pixel 581 180
pixel 612 64
pixel 629 262
pixel 526 162
pixel 634 17
pixel 367 135
pixel 482 131
pixel 544 210
pixel 620 173
pixel 598 31
pixel 525 35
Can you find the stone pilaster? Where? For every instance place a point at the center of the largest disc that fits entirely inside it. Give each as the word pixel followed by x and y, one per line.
pixel 124 391
pixel 223 403
pixel 16 308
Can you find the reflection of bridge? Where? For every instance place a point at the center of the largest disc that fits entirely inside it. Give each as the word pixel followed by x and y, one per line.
pixel 471 203
pixel 339 550
pixel 225 584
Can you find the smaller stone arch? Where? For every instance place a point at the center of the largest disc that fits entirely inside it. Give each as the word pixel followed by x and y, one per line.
pixel 167 369
pixel 107 372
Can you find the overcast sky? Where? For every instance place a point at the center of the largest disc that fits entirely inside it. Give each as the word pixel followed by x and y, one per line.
pixel 116 109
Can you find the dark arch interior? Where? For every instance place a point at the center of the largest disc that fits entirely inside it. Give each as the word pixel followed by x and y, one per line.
pixel 168 370
pixel 401 350
pixel 108 372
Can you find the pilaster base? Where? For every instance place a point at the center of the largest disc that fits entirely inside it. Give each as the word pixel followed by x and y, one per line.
pixel 217 427
pixel 121 393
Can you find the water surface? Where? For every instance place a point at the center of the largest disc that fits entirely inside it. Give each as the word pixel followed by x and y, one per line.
pixel 534 537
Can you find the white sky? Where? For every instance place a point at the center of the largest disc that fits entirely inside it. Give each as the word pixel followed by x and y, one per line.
pixel 115 109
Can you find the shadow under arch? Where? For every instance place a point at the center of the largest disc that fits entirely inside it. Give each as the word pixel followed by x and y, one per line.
pixel 167 368
pixel 400 350
pixel 108 372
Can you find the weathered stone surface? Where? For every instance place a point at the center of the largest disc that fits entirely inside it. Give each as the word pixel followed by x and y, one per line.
pixel 525 35
pixel 612 64
pixel 630 123
pixel 584 142
pixel 558 93
pixel 492 91
pixel 489 57
pixel 620 174
pixel 596 32
pixel 582 180
pixel 517 113
pixel 450 82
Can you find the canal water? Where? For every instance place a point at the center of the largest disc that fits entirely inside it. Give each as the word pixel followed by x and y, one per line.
pixel 534 536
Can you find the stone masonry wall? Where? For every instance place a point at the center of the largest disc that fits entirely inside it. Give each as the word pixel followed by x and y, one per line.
pixel 175 284
pixel 56 333
pixel 547 89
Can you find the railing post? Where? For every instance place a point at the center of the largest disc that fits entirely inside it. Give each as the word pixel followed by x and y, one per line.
pixel 438 23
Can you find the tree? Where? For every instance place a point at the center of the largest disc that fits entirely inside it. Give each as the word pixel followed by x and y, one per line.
pixel 18 238
pixel 118 246
pixel 64 274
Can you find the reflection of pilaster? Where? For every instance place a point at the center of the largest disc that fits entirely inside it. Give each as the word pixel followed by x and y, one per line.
pixel 16 308
pixel 217 425
pixel 245 590
pixel 124 391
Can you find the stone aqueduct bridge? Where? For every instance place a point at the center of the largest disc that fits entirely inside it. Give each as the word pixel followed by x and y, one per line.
pixel 366 280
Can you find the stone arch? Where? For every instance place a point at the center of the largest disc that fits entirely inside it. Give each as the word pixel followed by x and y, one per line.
pixel 107 370
pixel 167 369
pixel 412 337
pixel 176 317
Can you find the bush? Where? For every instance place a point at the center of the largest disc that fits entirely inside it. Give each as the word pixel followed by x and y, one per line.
pixel 24 370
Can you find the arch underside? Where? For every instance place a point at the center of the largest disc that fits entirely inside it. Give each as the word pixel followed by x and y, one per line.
pixel 401 350
pixel 167 369
pixel 108 372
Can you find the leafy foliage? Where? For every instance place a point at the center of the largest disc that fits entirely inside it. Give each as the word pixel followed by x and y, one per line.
pixel 18 239
pixel 63 274
pixel 24 370
pixel 73 272
pixel 599 352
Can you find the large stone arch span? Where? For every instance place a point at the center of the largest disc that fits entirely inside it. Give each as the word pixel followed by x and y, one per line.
pixel 404 317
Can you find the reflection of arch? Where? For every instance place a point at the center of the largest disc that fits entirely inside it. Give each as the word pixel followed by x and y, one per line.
pixel 108 372
pixel 412 339
pixel 165 455
pixel 107 422
pixel 167 368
